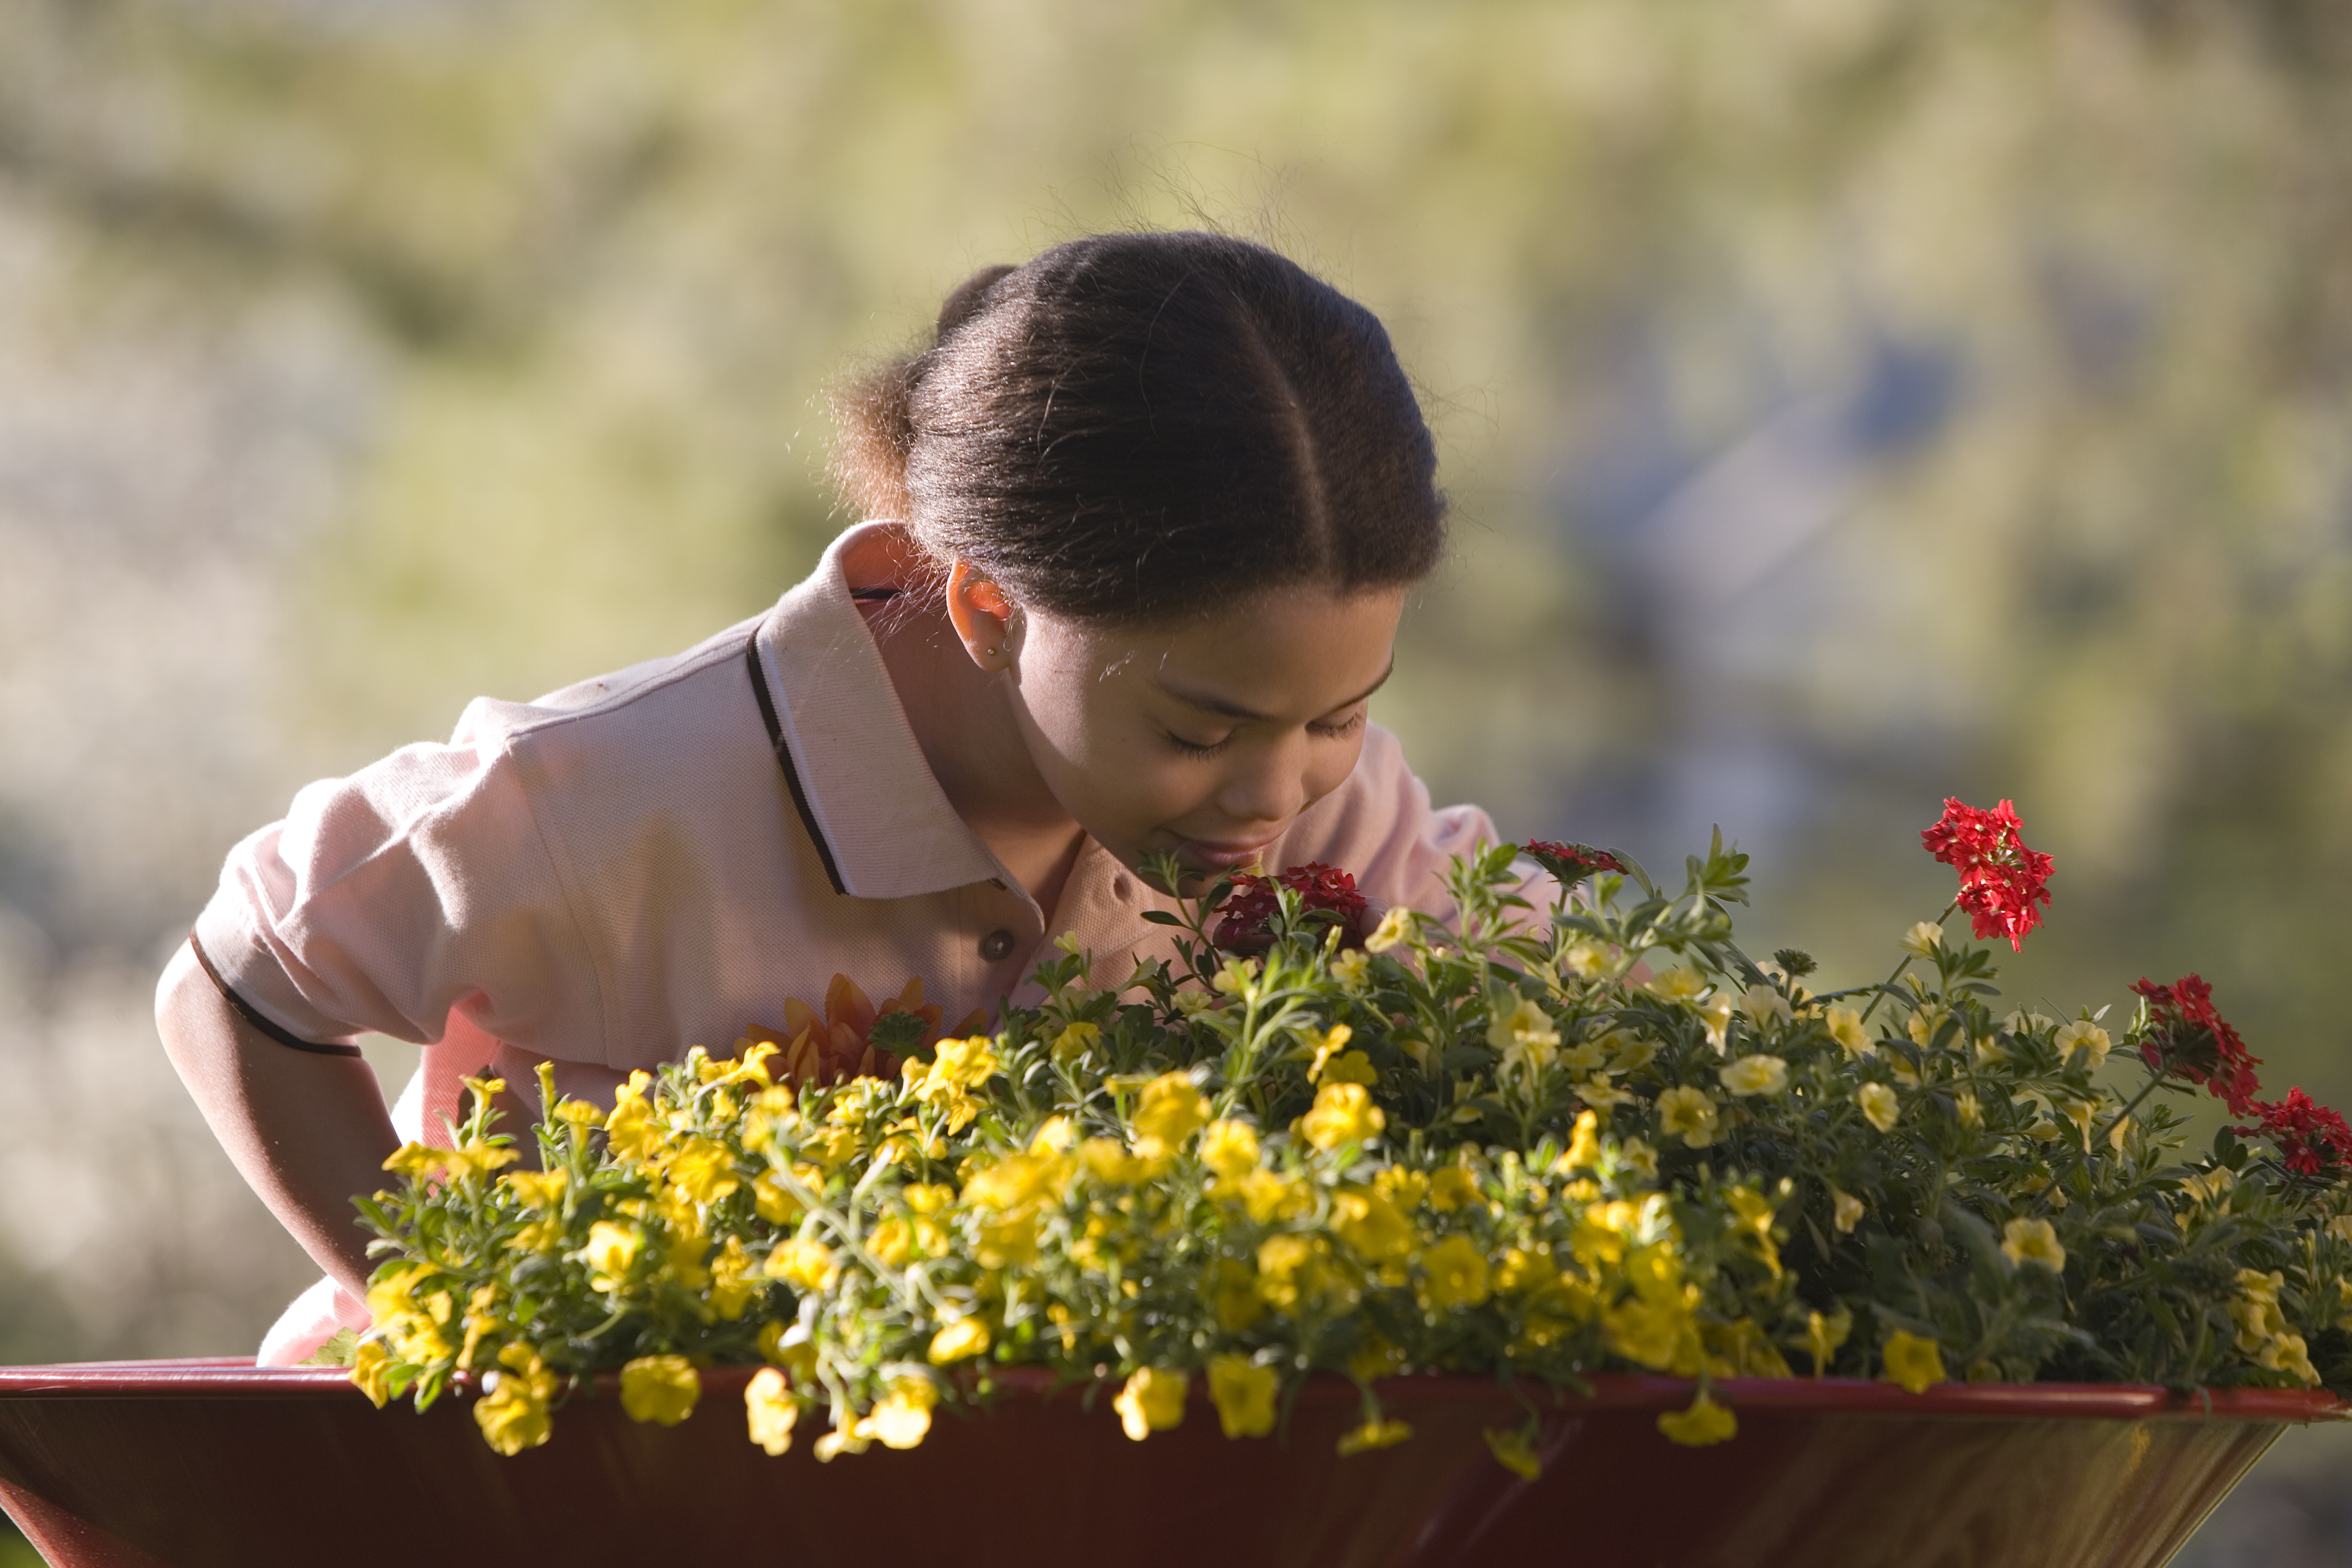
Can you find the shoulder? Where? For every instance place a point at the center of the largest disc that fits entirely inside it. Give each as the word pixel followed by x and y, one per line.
pixel 711 679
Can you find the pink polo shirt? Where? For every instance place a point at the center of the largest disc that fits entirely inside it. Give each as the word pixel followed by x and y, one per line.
pixel 660 858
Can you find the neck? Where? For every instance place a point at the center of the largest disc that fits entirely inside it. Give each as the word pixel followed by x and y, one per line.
pixel 962 719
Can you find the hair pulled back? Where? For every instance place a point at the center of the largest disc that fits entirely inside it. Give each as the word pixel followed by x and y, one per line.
pixel 1133 426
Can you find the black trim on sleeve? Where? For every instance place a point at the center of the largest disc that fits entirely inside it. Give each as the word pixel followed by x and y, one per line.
pixel 252 1014
pixel 784 759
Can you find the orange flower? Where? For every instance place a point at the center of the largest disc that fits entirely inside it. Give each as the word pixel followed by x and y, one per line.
pixel 838 1045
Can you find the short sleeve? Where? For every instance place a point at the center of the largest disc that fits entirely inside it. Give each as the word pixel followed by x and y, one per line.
pixel 417 887
pixel 1379 827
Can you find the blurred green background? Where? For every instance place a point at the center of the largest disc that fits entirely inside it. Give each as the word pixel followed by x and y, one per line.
pixel 1845 403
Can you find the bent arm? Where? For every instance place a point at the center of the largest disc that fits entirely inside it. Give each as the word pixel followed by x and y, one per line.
pixel 307 1132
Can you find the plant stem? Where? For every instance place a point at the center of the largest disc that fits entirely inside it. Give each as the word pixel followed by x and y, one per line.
pixel 1886 987
pixel 2133 1104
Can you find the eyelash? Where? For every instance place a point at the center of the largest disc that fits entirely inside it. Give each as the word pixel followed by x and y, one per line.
pixel 1202 754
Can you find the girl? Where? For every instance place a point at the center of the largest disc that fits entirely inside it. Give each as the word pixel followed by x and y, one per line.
pixel 1152 505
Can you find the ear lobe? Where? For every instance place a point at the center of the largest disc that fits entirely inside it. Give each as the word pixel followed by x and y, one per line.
pixel 983 616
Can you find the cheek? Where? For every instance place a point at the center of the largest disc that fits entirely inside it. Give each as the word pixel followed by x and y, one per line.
pixel 1331 765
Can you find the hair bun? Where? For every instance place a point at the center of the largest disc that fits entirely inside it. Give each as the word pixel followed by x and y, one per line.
pixel 964 300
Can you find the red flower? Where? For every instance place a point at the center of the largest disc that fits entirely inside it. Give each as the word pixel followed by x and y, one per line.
pixel 1572 863
pixel 2001 879
pixel 1256 898
pixel 2311 1140
pixel 2187 1039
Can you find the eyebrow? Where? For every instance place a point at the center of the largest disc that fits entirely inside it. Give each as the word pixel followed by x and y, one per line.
pixel 1210 703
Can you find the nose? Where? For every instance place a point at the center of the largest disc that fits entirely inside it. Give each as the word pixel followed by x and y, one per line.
pixel 1265 786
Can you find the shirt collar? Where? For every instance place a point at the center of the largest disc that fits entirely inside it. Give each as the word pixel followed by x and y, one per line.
pixel 870 796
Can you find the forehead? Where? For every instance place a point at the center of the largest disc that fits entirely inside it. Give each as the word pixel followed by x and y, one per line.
pixel 1290 652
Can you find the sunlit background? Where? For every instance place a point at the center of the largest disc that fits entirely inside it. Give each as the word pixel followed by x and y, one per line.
pixel 1844 404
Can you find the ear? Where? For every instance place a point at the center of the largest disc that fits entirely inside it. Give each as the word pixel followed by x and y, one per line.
pixel 983 616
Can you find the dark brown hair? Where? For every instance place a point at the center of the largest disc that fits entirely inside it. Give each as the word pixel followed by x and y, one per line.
pixel 1133 426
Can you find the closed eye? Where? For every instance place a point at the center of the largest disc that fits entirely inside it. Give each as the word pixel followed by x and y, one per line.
pixel 1340 732
pixel 1198 751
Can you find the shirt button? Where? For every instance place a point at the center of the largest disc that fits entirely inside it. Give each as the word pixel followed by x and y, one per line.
pixel 996 946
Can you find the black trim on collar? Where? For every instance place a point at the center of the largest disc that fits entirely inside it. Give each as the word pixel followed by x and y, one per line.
pixel 784 759
pixel 252 1014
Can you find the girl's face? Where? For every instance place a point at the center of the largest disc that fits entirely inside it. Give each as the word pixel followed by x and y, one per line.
pixel 1204 738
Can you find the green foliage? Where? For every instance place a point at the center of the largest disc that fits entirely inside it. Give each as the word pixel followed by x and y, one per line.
pixel 1533 1143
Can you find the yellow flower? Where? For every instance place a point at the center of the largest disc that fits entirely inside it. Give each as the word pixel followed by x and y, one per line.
pixel 1237 978
pixel 1076 1041
pixel 1716 1014
pixel 1244 1394
pixel 1351 1067
pixel 1395 926
pixel 1879 1105
pixel 1764 1005
pixel 904 1418
pixel 1520 1023
pixel 1153 1401
pixel 1229 1148
pixel 1848 1210
pixel 2024 1241
pixel 957 1066
pixel 1583 1151
pixel 610 1249
pixel 1823 1335
pixel 580 1113
pixel 959 1340
pixel 2081 1113
pixel 1267 1195
pixel 537 1189
pixel 1169 1110
pixel 1639 1158
pixel 1371 1225
pixel 1689 1113
pixel 775 1200
pixel 702 1169
pixel 1705 1423
pixel 1352 970
pixel 1406 1189
pixel 1017 1181
pixel 1756 1075
pixel 1514 1452
pixel 1054 1135
pixel 631 1132
pixel 1343 1113
pixel 371 1370
pixel 2088 1038
pixel 1374 1434
pixel 512 1411
pixel 1681 984
pixel 1913 1361
pixel 1321 1046
pixel 2209 1186
pixel 1454 1274
pixel 1845 1028
pixel 769 1410
pixel 1586 960
pixel 731 1285
pixel 1452 1187
pixel 660 1388
pixel 1923 939
pixel 802 1262
pixel 1969 1109
pixel 512 1418
pixel 1106 1161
